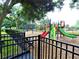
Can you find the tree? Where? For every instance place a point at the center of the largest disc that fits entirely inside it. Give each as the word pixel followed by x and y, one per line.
pixel 74 3
pixel 16 12
pixel 16 16
pixel 77 25
pixel 9 21
pixel 67 27
pixel 4 11
pixel 34 5
pixel 36 8
pixel 44 23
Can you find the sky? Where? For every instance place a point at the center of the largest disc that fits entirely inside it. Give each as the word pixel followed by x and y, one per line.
pixel 2 1
pixel 70 16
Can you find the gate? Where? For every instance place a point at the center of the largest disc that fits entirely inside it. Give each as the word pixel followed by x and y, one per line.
pixel 36 47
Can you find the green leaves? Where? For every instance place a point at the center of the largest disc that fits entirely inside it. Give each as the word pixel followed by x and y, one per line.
pixel 74 4
pixel 29 10
pixel 7 23
pixel 17 9
pixel 1 9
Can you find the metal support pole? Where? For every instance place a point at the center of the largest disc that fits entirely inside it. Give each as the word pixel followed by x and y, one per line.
pixel 39 47
pixel 49 27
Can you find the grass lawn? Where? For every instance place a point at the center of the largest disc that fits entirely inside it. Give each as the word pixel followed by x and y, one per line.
pixel 74 32
pixel 9 50
pixel 3 32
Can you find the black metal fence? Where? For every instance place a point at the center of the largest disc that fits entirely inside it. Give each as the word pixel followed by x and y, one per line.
pixel 52 49
pixel 36 47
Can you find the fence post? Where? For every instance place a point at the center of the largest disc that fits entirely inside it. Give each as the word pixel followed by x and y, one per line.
pixel 39 37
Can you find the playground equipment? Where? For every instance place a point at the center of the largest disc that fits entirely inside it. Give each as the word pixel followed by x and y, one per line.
pixel 53 32
pixel 60 29
pixel 44 34
pixel 66 34
pixel 54 28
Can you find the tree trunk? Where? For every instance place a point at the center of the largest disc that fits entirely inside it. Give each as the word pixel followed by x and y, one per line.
pixel 1 19
pixel 17 23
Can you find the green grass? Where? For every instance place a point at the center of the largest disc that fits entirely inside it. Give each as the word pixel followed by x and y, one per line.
pixel 74 32
pixel 3 32
pixel 9 50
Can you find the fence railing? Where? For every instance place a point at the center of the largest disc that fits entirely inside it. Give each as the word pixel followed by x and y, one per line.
pixel 36 47
pixel 52 49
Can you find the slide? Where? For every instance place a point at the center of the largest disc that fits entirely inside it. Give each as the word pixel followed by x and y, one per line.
pixel 67 34
pixel 44 34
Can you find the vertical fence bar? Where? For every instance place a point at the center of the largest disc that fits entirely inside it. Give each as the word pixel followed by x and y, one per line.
pixel 73 52
pixel 21 42
pixel 46 50
pixel 1 51
pixel 12 48
pixel 60 50
pixel 29 46
pixel 17 47
pixel 56 51
pixel 3 37
pixel 7 49
pixel 66 51
pixel 52 51
pixel 39 47
pixel 33 49
pixel 49 49
pixel 41 51
pixel 43 48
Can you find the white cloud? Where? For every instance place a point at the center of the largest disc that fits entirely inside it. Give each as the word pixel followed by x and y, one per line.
pixel 66 14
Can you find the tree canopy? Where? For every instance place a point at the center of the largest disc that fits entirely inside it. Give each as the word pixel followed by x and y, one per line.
pixel 33 8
